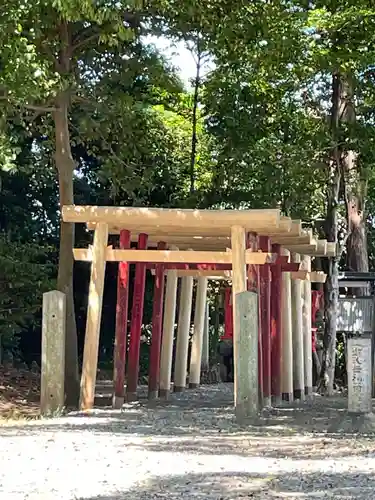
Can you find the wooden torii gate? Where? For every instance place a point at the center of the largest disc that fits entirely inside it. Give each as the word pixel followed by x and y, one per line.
pixel 198 243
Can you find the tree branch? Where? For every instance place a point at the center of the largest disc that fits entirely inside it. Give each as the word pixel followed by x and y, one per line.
pixel 31 107
pixel 40 109
pixel 85 40
pixel 91 33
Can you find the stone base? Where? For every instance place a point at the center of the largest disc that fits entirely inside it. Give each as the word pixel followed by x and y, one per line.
pixel 131 397
pixel 299 394
pixel 178 388
pixel 354 423
pixel 287 396
pixel 192 385
pixel 152 395
pixel 243 419
pixel 118 402
pixel 164 393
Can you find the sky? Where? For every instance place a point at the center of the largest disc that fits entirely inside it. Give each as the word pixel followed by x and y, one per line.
pixel 179 56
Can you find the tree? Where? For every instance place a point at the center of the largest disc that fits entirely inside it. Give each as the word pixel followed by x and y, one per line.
pixel 268 103
pixel 43 47
pixel 28 224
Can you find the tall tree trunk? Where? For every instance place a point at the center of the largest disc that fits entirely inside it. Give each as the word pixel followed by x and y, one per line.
pixel 355 187
pixel 194 138
pixel 331 291
pixel 65 168
pixel 345 173
pixel 357 255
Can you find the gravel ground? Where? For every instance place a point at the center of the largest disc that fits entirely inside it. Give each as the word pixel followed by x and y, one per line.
pixel 189 446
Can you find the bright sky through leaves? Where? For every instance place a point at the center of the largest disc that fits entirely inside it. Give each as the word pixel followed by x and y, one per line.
pixel 180 57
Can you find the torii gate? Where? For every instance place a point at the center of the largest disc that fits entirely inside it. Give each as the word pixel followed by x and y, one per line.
pixel 204 242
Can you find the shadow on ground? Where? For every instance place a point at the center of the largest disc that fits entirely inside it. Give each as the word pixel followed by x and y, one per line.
pixel 230 486
pixel 207 427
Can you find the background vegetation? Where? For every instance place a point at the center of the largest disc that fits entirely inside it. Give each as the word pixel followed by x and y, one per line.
pixel 92 113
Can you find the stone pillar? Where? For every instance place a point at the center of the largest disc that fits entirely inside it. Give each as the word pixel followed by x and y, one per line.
pixel 199 324
pixel 246 366
pixel 183 331
pixel 359 417
pixel 52 395
pixel 359 375
pixel 298 361
pixel 245 333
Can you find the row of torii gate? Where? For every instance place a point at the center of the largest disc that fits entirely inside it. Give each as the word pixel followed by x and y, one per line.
pixel 262 252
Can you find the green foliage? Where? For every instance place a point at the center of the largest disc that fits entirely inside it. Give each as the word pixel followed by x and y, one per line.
pixel 264 137
pixel 26 274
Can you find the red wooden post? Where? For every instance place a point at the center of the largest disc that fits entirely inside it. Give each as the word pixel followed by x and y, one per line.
pixel 228 314
pixel 136 323
pixel 265 319
pixel 253 282
pixel 276 329
pixel 157 321
pixel 119 354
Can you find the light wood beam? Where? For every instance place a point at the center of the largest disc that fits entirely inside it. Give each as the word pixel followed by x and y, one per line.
pixel 313 277
pixel 135 218
pixel 219 243
pixel 304 238
pixel 331 249
pixel 318 277
pixel 184 235
pixel 172 256
pixel 321 248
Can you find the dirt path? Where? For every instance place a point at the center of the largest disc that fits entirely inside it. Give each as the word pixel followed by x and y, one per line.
pixel 189 447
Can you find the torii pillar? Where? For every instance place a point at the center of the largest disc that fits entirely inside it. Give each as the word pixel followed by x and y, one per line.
pixel 276 328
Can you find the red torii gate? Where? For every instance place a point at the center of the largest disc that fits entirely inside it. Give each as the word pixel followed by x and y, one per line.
pixel 206 229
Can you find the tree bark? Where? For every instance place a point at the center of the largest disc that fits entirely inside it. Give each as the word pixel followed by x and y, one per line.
pixel 346 174
pixel 355 188
pixel 65 168
pixel 194 138
pixel 327 374
pixel 356 247
pixel 331 291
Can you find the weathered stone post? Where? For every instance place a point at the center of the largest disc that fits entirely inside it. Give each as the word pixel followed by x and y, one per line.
pixel 246 366
pixel 359 374
pixel 52 393
pixel 359 416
